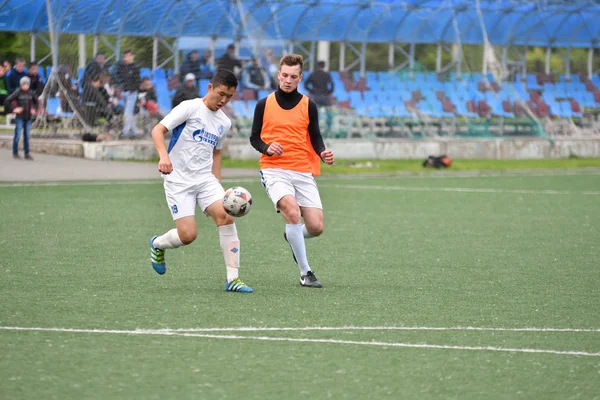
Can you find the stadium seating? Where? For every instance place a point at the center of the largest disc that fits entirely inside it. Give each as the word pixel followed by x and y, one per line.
pixel 407 104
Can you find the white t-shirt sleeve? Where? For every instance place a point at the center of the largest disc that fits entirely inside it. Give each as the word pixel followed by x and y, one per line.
pixel 178 115
pixel 226 129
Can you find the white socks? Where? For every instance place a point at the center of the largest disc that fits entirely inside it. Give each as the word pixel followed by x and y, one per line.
pixel 305 232
pixel 228 238
pixel 230 245
pixel 295 238
pixel 169 240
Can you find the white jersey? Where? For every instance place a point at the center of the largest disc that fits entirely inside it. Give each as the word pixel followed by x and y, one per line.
pixel 196 132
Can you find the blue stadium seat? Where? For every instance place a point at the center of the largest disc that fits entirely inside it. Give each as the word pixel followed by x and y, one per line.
pixel 532 82
pixel 573 113
pixel 263 93
pixel 52 104
pixel 250 106
pixel 145 73
pixel 203 86
pixel 401 111
pixel 159 73
pixel 42 73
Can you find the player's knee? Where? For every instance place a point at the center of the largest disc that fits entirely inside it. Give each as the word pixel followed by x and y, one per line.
pixel 187 236
pixel 291 214
pixel 223 219
pixel 315 229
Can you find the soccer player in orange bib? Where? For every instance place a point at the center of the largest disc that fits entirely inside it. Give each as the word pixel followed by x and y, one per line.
pixel 286 131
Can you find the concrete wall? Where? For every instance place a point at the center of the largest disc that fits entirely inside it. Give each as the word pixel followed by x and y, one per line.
pixel 527 148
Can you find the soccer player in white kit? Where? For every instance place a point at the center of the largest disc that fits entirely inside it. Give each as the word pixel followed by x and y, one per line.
pixel 191 169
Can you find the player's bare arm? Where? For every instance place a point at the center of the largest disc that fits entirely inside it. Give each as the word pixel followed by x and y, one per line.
pixel 158 137
pixel 217 161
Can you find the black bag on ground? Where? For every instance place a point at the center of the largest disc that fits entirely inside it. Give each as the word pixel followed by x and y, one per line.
pixel 438 162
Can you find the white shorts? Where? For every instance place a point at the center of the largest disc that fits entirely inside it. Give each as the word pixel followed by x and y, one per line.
pixel 300 185
pixel 182 197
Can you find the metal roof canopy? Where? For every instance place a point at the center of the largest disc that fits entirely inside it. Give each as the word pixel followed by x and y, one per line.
pixel 548 23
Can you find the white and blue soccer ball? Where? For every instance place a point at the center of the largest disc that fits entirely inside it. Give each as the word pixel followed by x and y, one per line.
pixel 237 201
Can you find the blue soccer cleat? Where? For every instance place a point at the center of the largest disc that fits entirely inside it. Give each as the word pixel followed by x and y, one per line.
pixel 157 258
pixel 237 285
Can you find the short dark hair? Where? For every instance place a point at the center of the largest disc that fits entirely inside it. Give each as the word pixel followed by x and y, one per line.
pixel 231 46
pixel 224 77
pixel 33 64
pixel 291 60
pixel 321 64
pixel 128 51
pixel 100 53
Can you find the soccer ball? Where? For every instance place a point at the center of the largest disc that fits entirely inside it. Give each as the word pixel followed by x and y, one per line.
pixel 237 201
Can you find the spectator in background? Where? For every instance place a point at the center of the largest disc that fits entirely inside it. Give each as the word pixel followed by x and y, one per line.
pixel 23 103
pixel 127 77
pixel 270 66
pixel 94 68
pixel 3 91
pixel 206 69
pixel 187 91
pixel 191 65
pixel 229 61
pixel 7 67
pixel 147 98
pixel 14 79
pixel 320 86
pixel 109 91
pixel 200 67
pixel 94 103
pixel 36 85
pixel 255 77
pixel 174 81
pixel 114 110
pixel 65 87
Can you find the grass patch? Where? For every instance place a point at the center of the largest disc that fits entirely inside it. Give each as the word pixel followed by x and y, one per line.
pixel 397 251
pixel 390 166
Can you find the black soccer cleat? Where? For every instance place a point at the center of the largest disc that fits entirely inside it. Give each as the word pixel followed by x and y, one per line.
pixel 293 255
pixel 310 280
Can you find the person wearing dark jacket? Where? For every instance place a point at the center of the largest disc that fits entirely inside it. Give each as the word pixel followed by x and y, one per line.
pixel 127 77
pixel 36 85
pixel 23 103
pixel 191 65
pixel 94 68
pixel 187 91
pixel 147 99
pixel 229 61
pixel 320 85
pixel 14 78
pixel 94 101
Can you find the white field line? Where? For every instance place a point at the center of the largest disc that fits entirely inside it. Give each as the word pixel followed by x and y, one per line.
pixel 462 190
pixel 462 174
pixel 385 328
pixel 338 186
pixel 156 182
pixel 164 332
